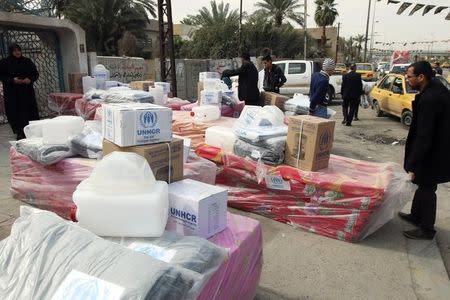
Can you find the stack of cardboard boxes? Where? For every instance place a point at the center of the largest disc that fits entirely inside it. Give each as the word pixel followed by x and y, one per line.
pixel 195 208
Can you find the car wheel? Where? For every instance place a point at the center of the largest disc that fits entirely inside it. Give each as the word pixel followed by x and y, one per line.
pixel 377 108
pixel 329 95
pixel 407 118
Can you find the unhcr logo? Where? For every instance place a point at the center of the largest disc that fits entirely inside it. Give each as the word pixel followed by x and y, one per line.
pixel 148 119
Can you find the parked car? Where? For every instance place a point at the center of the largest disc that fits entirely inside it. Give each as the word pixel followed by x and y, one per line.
pixel 298 75
pixel 382 66
pixel 399 68
pixel 367 71
pixel 394 96
pixel 340 69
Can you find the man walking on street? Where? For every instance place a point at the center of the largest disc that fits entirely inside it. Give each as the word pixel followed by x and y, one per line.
pixel 273 76
pixel 351 91
pixel 319 87
pixel 427 146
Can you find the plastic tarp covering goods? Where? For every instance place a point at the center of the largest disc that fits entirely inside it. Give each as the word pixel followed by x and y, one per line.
pixel 46 257
pixel 86 109
pixel 348 201
pixel 63 103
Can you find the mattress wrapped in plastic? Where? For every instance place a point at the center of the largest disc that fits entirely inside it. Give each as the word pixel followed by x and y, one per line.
pixel 349 200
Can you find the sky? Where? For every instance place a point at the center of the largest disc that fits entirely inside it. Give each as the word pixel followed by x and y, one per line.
pixel 353 18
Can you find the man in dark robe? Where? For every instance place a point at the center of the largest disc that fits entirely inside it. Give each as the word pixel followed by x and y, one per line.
pixel 18 74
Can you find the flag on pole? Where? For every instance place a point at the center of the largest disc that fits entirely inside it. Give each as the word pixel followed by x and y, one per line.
pixel 427 9
pixel 416 8
pixel 439 9
pixel 403 7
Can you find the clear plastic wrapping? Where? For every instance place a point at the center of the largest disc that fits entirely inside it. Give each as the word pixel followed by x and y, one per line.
pixel 270 151
pixel 47 257
pixel 348 201
pixel 63 103
pixel 127 95
pixel 48 187
pixel 87 109
pixel 200 169
pixel 89 143
pixel 42 153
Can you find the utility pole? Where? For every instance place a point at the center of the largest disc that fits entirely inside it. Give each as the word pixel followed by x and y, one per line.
pixel 168 72
pixel 240 28
pixel 304 26
pixel 373 24
pixel 367 31
pixel 337 42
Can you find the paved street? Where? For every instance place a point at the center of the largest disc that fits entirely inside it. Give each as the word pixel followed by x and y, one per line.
pixel 302 265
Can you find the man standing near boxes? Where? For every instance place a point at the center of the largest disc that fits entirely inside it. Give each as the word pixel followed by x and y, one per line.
pixel 427 145
pixel 351 92
pixel 318 89
pixel 273 76
pixel 248 80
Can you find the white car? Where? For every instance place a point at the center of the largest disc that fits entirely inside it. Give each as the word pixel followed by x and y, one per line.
pixel 399 68
pixel 298 78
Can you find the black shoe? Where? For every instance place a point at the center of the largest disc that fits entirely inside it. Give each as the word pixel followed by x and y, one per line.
pixel 356 119
pixel 420 234
pixel 343 122
pixel 408 218
pixel 348 124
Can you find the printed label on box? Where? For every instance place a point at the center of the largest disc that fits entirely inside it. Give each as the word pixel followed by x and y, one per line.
pixel 154 251
pixel 277 183
pixel 81 286
pixel 146 127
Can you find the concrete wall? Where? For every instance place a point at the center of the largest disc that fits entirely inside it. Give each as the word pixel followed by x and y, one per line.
pixel 123 69
pixel 331 34
pixel 71 36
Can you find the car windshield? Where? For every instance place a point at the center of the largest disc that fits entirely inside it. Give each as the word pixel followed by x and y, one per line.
pixel 399 69
pixel 364 67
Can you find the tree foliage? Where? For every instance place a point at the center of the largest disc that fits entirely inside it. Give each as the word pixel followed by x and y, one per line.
pixel 280 10
pixel 219 14
pixel 324 16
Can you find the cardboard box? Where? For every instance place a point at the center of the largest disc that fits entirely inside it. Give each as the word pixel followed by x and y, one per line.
pixel 269 98
pixel 197 208
pixel 131 124
pixel 141 85
pixel 199 89
pixel 309 142
pixel 76 82
pixel 160 159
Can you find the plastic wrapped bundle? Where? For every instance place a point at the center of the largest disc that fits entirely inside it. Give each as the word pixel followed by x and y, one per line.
pixel 86 109
pixel 188 107
pixel 65 261
pixel 176 103
pixel 299 105
pixel 94 94
pixel 127 95
pixel 63 103
pixel 89 143
pixel 348 201
pixel 48 187
pixel 44 154
pixel 270 151
pixel 200 169
pixel 232 111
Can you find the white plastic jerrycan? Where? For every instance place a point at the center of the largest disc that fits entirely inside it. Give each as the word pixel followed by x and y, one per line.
pixel 121 198
pixel 60 130
pixel 205 113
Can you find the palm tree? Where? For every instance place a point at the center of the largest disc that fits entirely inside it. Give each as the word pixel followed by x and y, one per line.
pixel 219 14
pixel 359 40
pixel 349 48
pixel 105 21
pixel 282 9
pixel 325 15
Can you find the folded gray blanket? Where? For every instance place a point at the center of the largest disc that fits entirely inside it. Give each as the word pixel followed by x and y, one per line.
pixel 89 142
pixel 270 151
pixel 36 150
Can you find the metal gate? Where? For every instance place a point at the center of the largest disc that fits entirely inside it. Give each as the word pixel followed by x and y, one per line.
pixel 42 47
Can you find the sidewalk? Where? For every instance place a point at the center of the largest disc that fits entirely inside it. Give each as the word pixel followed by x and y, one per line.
pixel 302 265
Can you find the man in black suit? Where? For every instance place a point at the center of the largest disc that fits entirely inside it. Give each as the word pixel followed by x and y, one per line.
pixel 351 90
pixel 248 80
pixel 427 146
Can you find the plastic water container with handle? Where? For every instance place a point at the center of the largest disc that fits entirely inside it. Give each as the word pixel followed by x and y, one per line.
pixel 164 85
pixel 89 83
pixel 122 198
pixel 205 113
pixel 158 95
pixel 60 130
pixel 101 75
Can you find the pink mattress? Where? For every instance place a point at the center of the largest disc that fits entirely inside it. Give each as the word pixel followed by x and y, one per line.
pixel 86 109
pixel 63 103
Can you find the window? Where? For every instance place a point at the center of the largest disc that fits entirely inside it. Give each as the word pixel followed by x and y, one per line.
pixel 397 86
pixel 363 67
pixel 386 84
pixel 296 68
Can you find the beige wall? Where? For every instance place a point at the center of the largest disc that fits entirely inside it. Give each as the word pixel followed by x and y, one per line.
pixel 331 34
